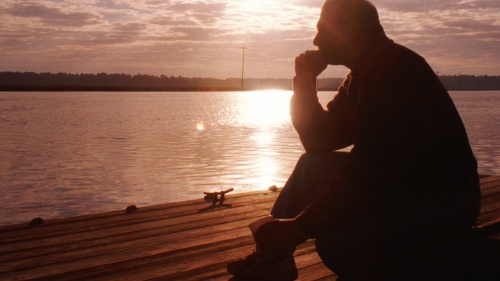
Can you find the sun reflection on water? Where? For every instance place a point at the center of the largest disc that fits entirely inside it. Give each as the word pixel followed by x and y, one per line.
pixel 265 162
pixel 103 151
pixel 265 108
pixel 257 120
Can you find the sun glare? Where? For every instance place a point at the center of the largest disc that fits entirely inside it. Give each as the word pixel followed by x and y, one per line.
pixel 266 108
pixel 200 127
pixel 253 5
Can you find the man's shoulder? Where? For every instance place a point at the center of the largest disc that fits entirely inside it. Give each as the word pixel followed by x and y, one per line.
pixel 400 54
pixel 394 60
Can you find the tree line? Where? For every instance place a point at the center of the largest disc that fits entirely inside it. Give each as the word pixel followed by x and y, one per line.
pixel 123 82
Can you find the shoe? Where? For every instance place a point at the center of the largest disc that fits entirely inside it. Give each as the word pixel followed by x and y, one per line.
pixel 259 266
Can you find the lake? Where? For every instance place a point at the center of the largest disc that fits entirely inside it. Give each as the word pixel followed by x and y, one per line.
pixel 72 153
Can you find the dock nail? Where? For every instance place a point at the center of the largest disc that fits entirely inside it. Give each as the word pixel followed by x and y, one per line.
pixel 130 209
pixel 273 188
pixel 35 222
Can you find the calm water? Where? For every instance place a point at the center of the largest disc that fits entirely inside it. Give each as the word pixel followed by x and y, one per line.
pixel 66 154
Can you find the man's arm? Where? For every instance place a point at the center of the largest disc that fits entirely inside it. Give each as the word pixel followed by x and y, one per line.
pixel 319 130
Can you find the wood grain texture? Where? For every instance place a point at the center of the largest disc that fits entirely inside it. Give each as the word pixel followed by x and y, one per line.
pixel 163 242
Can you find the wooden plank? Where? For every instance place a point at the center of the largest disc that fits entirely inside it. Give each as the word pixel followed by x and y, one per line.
pixel 317 272
pixel 486 217
pixel 53 227
pixel 130 250
pixel 162 242
pixel 193 219
pixel 182 269
pixel 489 182
pixel 490 198
pixel 160 261
pixel 172 236
pixel 117 237
pixel 304 257
pixel 202 219
pixel 493 187
pixel 489 207
pixel 487 179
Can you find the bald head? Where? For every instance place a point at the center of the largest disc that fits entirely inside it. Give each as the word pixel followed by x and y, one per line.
pixel 347 31
pixel 341 12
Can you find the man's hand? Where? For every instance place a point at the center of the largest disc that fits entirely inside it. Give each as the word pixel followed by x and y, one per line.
pixel 309 65
pixel 279 237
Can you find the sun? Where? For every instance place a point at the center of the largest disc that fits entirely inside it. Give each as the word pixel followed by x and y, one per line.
pixel 253 5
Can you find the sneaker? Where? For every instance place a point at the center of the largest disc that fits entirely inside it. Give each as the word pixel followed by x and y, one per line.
pixel 258 266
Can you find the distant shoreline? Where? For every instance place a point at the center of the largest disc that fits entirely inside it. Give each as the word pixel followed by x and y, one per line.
pixel 30 81
pixel 65 88
pixel 70 88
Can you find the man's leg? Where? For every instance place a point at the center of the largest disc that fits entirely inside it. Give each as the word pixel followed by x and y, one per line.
pixel 311 175
pixel 406 220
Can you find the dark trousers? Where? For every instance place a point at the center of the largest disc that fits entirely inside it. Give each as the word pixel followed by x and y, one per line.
pixel 403 222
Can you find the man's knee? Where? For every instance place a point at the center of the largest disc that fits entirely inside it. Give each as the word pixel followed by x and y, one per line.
pixel 328 156
pixel 330 162
pixel 307 159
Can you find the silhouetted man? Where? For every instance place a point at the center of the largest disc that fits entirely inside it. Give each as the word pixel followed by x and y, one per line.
pixel 409 179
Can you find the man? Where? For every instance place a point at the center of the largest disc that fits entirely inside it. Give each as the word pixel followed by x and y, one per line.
pixel 409 179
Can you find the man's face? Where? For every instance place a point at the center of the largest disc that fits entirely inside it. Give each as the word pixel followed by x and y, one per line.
pixel 331 38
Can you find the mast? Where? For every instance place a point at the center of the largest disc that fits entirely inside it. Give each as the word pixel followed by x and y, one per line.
pixel 242 64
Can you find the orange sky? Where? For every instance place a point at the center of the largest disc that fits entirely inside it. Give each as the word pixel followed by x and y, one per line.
pixel 203 38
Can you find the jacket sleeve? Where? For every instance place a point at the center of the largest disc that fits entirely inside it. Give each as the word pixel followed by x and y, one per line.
pixel 320 130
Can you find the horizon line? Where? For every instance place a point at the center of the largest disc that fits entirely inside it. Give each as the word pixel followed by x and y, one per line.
pixel 198 77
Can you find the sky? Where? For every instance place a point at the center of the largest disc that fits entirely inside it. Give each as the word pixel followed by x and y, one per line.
pixel 204 38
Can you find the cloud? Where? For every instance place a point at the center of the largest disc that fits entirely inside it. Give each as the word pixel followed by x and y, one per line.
pixel 200 12
pixel 471 25
pixel 479 4
pixel 454 36
pixel 203 37
pixel 308 3
pixel 412 6
pixel 113 4
pixel 157 2
pixel 50 15
pixel 435 5
pixel 120 33
pixel 196 33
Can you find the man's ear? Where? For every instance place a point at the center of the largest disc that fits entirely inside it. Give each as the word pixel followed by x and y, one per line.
pixel 353 27
pixel 355 32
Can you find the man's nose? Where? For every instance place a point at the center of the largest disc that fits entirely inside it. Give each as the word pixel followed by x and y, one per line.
pixel 316 40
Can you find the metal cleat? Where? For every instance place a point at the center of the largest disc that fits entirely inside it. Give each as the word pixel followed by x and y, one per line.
pixel 217 198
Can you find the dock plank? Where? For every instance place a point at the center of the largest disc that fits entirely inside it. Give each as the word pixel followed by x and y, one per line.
pixel 152 228
pixel 173 241
pixel 113 219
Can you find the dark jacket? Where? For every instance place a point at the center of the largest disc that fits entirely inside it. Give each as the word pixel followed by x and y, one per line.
pixel 402 123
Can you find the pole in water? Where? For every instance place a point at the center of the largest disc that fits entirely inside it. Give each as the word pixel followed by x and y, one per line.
pixel 242 64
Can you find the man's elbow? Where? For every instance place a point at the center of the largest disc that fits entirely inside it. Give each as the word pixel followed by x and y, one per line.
pixel 316 146
pixel 320 147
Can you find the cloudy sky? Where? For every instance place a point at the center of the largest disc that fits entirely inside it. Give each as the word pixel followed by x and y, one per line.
pixel 204 38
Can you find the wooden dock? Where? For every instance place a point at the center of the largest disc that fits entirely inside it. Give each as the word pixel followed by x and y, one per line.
pixel 164 242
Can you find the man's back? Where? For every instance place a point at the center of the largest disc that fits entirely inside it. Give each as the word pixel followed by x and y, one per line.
pixel 407 131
